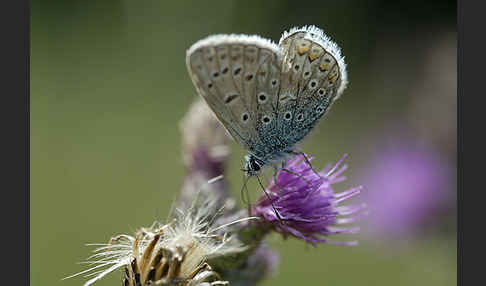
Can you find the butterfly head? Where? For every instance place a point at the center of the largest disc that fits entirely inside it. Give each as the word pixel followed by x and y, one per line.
pixel 253 165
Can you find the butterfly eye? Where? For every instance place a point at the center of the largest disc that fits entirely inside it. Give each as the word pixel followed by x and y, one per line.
pixel 321 92
pixel 300 117
pixel 274 82
pixel 288 115
pixel 254 165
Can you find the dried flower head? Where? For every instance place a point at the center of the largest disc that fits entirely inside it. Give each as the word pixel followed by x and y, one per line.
pixel 308 207
pixel 167 254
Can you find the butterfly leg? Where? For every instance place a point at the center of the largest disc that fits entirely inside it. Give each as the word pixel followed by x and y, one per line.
pixel 270 199
pixel 298 175
pixel 275 172
pixel 306 160
pixel 290 172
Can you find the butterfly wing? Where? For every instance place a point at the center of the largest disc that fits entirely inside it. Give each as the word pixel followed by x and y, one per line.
pixel 313 76
pixel 268 97
pixel 229 71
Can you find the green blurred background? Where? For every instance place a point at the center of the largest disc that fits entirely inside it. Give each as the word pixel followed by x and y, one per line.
pixel 109 86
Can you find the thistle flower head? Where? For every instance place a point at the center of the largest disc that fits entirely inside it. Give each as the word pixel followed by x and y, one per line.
pixel 168 254
pixel 409 185
pixel 205 153
pixel 308 207
pixel 201 129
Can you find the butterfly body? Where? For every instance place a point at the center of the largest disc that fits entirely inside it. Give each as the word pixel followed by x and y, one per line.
pixel 268 96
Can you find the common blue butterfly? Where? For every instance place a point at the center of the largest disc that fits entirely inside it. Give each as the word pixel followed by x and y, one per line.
pixel 268 96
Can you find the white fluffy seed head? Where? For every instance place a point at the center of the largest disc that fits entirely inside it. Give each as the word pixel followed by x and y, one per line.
pixel 190 230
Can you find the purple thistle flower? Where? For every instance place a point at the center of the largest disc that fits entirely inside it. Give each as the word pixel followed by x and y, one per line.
pixel 408 185
pixel 308 206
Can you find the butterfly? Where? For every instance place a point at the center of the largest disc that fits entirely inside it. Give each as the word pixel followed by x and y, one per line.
pixel 268 96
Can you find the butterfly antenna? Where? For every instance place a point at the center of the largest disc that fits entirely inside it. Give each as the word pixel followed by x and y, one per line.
pixel 245 195
pixel 270 199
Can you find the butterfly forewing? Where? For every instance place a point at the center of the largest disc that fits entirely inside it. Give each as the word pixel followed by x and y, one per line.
pixel 229 72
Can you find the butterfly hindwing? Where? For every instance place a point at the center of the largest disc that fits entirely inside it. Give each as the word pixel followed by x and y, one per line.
pixel 312 72
pixel 267 101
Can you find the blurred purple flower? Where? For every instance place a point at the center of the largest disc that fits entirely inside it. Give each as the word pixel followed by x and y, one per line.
pixel 405 184
pixel 307 204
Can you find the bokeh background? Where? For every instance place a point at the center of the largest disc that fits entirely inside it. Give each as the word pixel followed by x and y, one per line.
pixel 109 86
